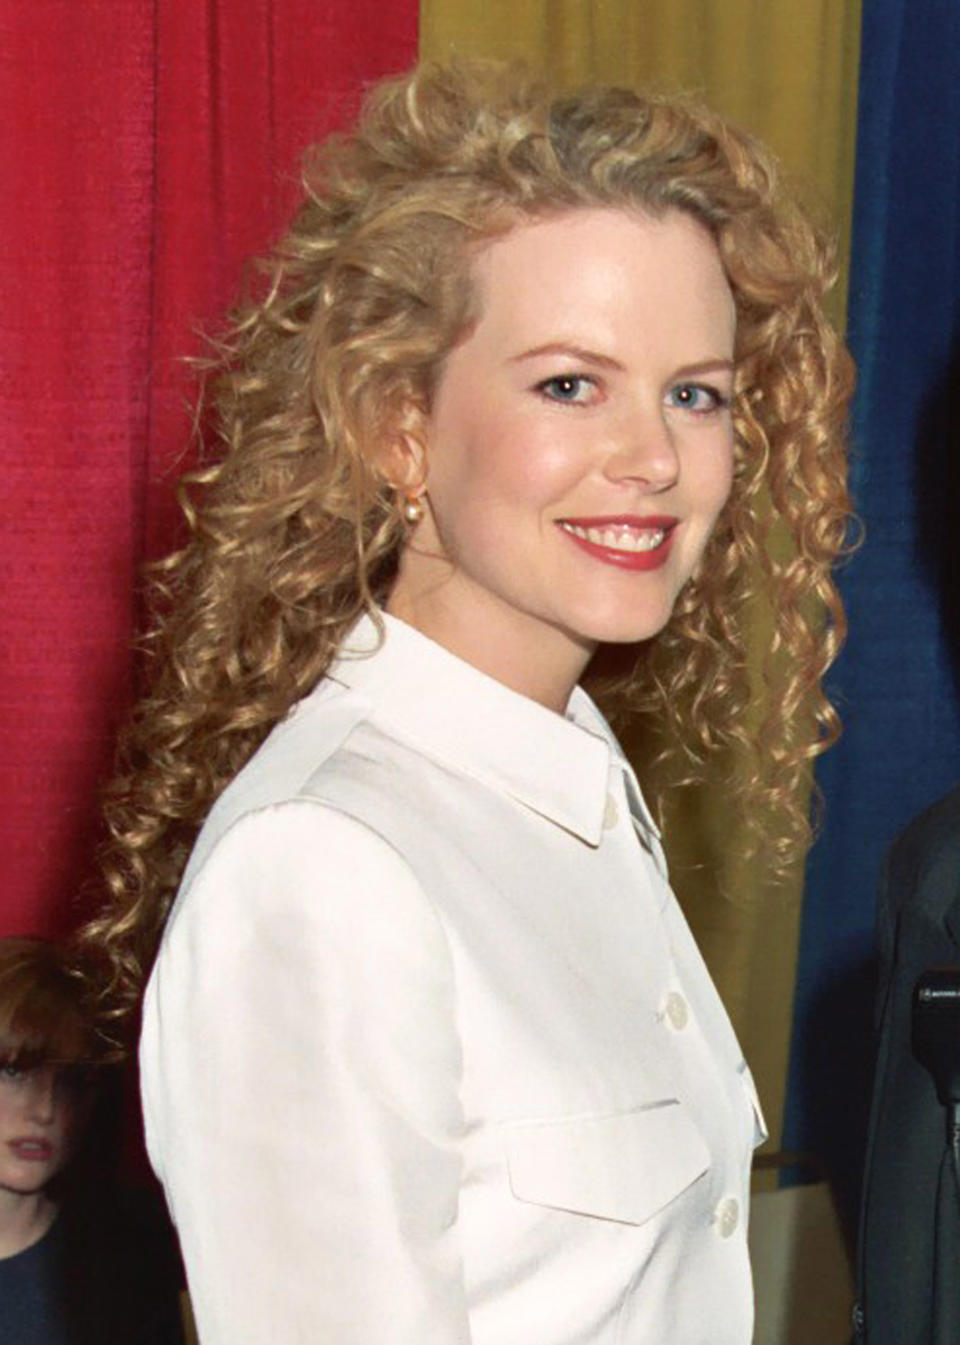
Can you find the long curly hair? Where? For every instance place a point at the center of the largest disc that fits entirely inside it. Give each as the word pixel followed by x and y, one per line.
pixel 294 531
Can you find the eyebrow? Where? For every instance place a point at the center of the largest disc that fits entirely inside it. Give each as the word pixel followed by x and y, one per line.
pixel 565 348
pixel 713 366
pixel 717 365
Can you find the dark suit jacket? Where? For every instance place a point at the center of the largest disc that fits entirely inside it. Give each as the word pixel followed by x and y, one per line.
pixel 918 928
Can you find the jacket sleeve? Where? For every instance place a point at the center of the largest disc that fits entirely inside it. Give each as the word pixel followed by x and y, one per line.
pixel 301 1072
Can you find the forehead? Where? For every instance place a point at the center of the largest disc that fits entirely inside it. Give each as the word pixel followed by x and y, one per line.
pixel 598 274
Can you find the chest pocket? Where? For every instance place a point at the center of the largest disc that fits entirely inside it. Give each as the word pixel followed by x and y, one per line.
pixel 624 1167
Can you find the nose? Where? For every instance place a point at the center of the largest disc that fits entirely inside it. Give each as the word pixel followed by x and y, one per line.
pixel 644 453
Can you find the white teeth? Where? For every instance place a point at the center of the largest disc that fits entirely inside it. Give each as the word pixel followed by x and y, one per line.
pixel 619 537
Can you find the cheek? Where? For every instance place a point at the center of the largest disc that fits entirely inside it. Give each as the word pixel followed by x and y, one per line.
pixel 717 483
pixel 726 486
pixel 67 1123
pixel 496 469
pixel 543 469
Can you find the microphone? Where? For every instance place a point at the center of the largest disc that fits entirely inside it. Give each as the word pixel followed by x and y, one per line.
pixel 936 1029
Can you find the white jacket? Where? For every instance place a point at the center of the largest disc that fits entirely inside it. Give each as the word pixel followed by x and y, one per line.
pixel 429 1055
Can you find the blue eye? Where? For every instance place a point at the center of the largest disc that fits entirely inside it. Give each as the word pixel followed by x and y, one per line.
pixel 696 397
pixel 574 388
pixel 11 1072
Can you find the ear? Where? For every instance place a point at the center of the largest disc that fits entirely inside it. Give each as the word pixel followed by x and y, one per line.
pixel 402 459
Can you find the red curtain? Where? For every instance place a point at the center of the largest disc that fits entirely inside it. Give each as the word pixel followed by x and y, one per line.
pixel 147 148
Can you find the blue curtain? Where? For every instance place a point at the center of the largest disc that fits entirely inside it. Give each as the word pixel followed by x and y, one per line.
pixel 897 683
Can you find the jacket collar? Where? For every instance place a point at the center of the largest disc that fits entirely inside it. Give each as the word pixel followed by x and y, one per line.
pixel 558 766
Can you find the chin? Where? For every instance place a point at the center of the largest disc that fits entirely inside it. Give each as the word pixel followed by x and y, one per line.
pixel 28 1186
pixel 622 618
pixel 620 630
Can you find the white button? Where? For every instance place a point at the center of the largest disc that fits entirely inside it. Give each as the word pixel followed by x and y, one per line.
pixel 610 814
pixel 727 1216
pixel 676 1009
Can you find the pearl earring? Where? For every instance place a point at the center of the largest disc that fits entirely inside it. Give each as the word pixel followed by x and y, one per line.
pixel 412 510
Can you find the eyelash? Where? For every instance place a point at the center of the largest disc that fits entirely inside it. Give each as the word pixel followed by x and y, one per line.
pixel 718 402
pixel 550 389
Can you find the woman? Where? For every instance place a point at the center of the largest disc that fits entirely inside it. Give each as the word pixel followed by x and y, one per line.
pixel 43 1044
pixel 78 1264
pixel 428 1051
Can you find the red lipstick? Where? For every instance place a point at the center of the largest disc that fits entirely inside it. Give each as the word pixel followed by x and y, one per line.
pixel 626 541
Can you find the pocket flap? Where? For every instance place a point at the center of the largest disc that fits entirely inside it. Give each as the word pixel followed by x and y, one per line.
pixel 625 1166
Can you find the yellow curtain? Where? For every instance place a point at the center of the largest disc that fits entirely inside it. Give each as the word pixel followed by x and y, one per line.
pixel 788 73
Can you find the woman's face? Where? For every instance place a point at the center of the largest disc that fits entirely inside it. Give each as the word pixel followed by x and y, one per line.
pixel 579 447
pixel 38 1114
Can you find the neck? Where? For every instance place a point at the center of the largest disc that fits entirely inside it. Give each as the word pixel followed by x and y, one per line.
pixel 537 660
pixel 23 1220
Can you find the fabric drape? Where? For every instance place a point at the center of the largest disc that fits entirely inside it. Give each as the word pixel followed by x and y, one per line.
pixel 147 147
pixel 898 678
pixel 789 74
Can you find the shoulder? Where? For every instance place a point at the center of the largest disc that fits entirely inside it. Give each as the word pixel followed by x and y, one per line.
pixel 931 841
pixel 303 834
pixel 297 859
pixel 303 932
pixel 299 915
pixel 300 746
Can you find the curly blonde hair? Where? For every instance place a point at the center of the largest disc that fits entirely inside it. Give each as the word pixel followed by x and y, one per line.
pixel 294 532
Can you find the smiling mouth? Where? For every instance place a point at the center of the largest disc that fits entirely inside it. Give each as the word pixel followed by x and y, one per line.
pixel 618 536
pixel 627 542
